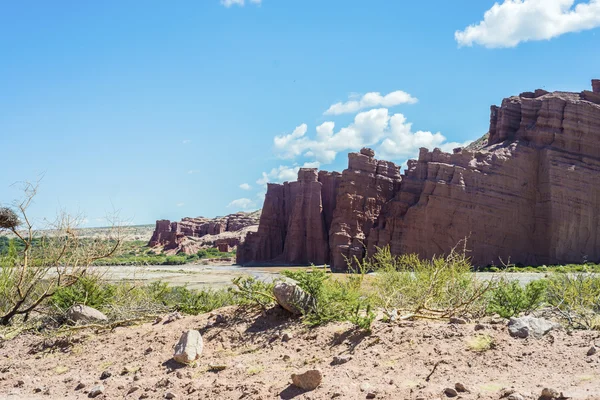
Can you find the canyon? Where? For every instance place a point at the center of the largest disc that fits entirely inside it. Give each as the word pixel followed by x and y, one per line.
pixel 529 193
pixel 190 234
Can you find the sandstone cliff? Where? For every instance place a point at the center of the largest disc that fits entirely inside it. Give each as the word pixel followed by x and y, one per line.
pixel 529 194
pixel 179 236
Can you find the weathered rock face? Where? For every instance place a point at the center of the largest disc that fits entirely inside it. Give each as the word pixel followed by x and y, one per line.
pixel 174 235
pixel 294 222
pixel 530 195
pixel 365 187
pixel 322 218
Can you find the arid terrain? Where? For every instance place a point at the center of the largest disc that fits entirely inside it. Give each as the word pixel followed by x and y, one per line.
pixel 252 356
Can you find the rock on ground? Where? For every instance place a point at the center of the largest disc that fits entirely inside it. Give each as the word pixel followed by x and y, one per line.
pixel 96 391
pixel 308 380
pixel 81 313
pixel 291 297
pixel 530 326
pixel 189 348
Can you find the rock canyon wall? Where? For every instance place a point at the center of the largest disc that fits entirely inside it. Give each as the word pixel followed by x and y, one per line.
pixel 174 236
pixel 530 194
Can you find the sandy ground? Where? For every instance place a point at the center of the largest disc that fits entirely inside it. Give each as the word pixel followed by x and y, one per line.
pixel 195 276
pixel 391 363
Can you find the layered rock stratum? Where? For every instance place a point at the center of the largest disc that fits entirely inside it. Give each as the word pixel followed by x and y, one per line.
pixel 527 193
pixel 190 234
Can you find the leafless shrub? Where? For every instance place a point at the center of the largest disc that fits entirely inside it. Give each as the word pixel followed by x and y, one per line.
pixel 42 263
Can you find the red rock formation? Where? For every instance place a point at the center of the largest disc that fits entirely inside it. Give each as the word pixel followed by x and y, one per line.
pixel 171 235
pixel 530 195
pixel 301 220
pixel 293 225
pixel 365 187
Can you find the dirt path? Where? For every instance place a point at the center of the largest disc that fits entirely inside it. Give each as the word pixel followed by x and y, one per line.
pixel 391 363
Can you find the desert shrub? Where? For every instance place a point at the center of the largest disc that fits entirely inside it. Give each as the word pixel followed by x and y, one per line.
pixel 253 292
pixel 509 298
pixel 196 302
pixel 440 287
pixel 335 300
pixel 88 290
pixel 481 343
pixel 575 299
pixel 175 260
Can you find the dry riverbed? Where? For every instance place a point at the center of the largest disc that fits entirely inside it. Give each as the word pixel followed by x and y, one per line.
pixel 199 276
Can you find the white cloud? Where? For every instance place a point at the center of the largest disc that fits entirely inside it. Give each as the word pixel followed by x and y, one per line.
pixel 193 171
pixel 186 141
pixel 285 173
pixel 229 3
pixel 516 21
pixel 245 186
pixel 402 143
pixel 370 100
pixel 180 204
pixel 390 135
pixel 242 204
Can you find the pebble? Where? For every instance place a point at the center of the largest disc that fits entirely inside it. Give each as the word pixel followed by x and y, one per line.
pixel 371 395
pixel 479 327
pixel 105 375
pixel 460 388
pixel 592 351
pixel 456 320
pixel 170 395
pixel 450 392
pixel 286 337
pixel 549 393
pixel 133 389
pixel 338 360
pixel 515 396
pixel 96 391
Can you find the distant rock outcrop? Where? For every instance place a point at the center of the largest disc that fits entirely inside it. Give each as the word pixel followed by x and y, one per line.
pixel 180 236
pixel 529 193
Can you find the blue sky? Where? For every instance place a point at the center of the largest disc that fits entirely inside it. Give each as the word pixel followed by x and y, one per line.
pixel 163 109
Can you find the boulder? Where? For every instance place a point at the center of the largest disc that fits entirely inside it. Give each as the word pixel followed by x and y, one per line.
pixel 85 314
pixel 308 380
pixel 524 327
pixel 291 297
pixel 189 348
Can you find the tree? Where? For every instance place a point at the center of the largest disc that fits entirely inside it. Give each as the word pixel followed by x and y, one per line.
pixel 39 262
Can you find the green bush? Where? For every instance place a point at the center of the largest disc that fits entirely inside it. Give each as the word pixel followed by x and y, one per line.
pixel 509 299
pixel 196 302
pixel 88 290
pixel 253 292
pixel 575 298
pixel 440 287
pixel 175 260
pixel 335 300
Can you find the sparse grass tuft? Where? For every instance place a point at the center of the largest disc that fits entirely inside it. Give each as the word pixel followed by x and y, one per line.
pixel 481 343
